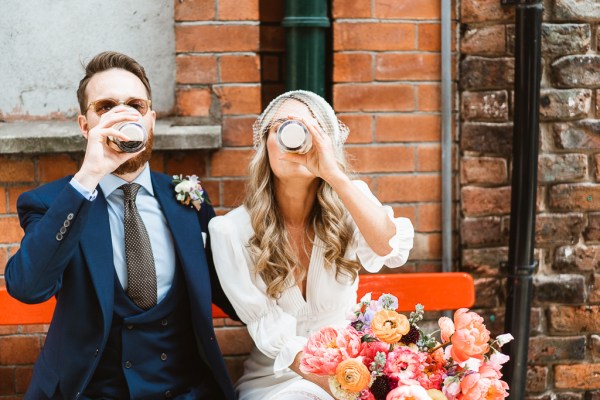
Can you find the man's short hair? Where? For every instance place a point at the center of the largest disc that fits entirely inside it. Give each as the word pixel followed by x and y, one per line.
pixel 105 61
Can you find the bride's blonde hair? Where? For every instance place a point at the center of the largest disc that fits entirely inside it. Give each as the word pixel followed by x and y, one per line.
pixel 270 246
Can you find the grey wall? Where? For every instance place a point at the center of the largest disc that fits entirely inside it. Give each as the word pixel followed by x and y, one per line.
pixel 43 44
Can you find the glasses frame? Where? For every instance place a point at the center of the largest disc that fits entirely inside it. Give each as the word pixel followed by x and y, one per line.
pixel 148 103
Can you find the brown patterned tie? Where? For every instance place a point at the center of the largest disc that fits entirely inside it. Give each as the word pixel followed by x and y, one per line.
pixel 141 272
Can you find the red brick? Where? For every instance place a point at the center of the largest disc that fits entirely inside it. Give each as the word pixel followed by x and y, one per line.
pixel 11 231
pixel 373 97
pixel 381 158
pixel 194 102
pixel 196 69
pixel 567 197
pixel 186 163
pixel 3 259
pixel 230 162
pixel 427 246
pixel 237 131
pixel 238 10
pixel 407 9
pixel 7 329
pixel 351 9
pixel 13 195
pixel 597 162
pixel 485 201
pixel 234 341
pixel 194 10
pixel 405 211
pixel 272 38
pixel 235 366
pixel 216 38
pixel 577 376
pixel 429 97
pixel 429 37
pixel 19 349
pixel 239 99
pixel 408 128
pixel 485 11
pixel 7 380
pixel 22 378
pixel 16 169
pixel 213 188
pixel 408 188
pixel 157 161
pixel 408 67
pixel 429 158
pixel 54 167
pixel 3 202
pixel 490 170
pixel 239 68
pixel 234 191
pixel 373 36
pixel 361 127
pixel 429 217
pixel 352 67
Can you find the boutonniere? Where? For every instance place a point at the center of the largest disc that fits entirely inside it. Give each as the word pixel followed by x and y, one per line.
pixel 189 191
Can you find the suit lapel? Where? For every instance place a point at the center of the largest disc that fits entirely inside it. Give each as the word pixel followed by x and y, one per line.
pixel 185 227
pixel 98 252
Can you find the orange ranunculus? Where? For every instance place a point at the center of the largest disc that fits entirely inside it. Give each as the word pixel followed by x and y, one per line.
pixel 353 375
pixel 389 326
pixel 471 338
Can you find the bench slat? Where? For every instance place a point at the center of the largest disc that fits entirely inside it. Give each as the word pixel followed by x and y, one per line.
pixel 436 291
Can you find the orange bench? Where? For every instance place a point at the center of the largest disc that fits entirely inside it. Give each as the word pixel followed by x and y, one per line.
pixel 436 291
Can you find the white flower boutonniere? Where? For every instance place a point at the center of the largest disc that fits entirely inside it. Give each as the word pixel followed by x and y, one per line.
pixel 189 191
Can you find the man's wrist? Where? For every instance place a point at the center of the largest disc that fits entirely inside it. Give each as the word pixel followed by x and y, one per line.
pixel 87 180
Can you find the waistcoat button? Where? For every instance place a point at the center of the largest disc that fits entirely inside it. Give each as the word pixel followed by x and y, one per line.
pixel 163 356
pixel 127 364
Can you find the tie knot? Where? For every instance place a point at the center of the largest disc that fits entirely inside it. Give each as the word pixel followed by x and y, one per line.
pixel 130 190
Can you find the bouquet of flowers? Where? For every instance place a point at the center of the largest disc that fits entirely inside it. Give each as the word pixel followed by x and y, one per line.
pixel 384 355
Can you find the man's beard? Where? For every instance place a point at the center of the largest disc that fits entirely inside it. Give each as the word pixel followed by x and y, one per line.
pixel 138 161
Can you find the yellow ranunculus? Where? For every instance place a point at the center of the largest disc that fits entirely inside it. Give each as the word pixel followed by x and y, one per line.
pixel 353 375
pixel 389 326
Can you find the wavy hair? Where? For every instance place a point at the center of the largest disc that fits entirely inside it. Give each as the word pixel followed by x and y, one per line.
pixel 270 246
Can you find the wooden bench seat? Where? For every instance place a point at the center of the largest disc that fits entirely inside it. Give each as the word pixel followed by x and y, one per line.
pixel 436 291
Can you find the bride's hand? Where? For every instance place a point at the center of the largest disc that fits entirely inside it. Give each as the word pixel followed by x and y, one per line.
pixel 320 160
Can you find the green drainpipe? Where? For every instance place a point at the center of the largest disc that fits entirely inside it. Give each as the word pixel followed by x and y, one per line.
pixel 306 23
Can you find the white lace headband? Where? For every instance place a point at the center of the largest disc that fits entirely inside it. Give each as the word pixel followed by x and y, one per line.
pixel 318 107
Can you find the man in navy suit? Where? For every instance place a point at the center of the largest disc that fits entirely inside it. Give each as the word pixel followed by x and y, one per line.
pixel 132 320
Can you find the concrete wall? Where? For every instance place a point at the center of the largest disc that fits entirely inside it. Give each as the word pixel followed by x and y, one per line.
pixel 43 44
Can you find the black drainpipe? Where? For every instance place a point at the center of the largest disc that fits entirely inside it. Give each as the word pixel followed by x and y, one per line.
pixel 521 264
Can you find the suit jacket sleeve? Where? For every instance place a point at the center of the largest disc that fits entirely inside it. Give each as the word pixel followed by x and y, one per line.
pixel 52 232
pixel 218 295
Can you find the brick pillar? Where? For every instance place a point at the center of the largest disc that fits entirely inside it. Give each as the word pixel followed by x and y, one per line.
pixel 386 73
pixel 563 350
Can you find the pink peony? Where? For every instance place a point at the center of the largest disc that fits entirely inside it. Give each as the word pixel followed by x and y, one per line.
pixel 476 386
pixel 435 372
pixel 408 392
pixel 446 328
pixel 370 350
pixel 404 364
pixel 471 337
pixel 321 355
pixel 349 343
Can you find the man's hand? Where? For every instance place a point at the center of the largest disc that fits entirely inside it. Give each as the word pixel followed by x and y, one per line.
pixel 100 159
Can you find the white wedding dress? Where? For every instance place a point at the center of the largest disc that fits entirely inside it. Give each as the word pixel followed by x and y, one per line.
pixel 280 327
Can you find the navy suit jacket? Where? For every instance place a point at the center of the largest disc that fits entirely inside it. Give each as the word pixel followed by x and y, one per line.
pixel 77 267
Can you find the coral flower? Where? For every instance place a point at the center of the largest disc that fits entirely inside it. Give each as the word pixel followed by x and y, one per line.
pixel 321 353
pixel 408 392
pixel 471 337
pixel 404 364
pixel 476 386
pixel 389 326
pixel 352 375
pixel 446 328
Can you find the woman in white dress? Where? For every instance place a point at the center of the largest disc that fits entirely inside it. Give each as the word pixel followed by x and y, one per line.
pixel 288 259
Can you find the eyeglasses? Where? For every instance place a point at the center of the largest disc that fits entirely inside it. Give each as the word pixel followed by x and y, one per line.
pixel 103 106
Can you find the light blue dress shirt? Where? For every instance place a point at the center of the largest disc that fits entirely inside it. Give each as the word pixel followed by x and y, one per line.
pixel 156 224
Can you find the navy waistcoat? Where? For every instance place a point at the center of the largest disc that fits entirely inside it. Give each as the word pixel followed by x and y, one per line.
pixel 152 354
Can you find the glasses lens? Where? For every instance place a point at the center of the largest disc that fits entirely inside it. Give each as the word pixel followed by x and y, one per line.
pixel 140 105
pixel 104 106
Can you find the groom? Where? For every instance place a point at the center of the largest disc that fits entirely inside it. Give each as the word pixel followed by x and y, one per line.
pixel 126 261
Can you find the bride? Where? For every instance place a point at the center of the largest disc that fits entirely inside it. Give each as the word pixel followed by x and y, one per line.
pixel 288 259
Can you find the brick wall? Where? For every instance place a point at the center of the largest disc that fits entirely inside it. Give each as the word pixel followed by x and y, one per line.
pixel 565 346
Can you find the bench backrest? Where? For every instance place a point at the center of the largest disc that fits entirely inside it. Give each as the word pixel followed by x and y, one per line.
pixel 436 291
